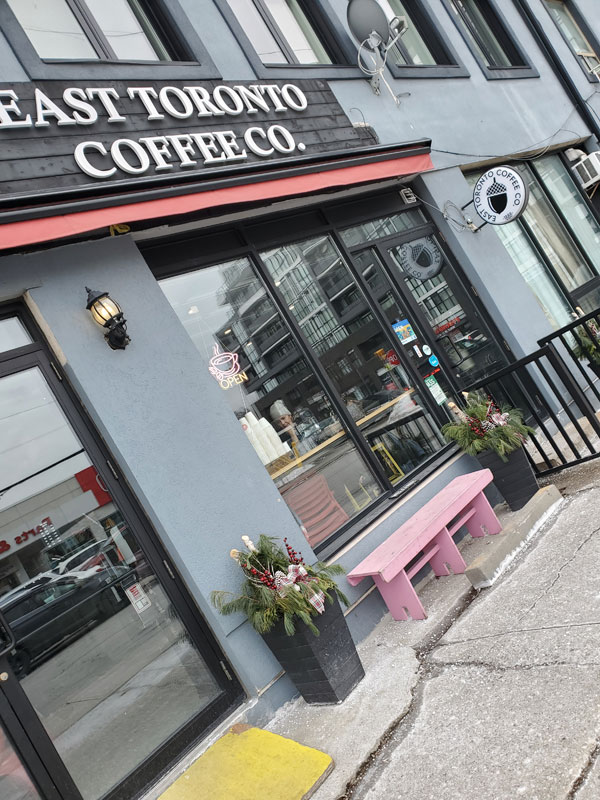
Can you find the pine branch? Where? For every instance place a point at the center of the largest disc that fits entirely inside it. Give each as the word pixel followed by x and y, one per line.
pixel 263 603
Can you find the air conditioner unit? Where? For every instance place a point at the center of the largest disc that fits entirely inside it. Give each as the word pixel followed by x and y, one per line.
pixel 588 169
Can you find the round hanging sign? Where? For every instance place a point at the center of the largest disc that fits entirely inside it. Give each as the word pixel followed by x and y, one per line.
pixel 500 195
pixel 422 258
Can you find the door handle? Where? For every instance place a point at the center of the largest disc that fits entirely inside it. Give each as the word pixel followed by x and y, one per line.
pixel 9 636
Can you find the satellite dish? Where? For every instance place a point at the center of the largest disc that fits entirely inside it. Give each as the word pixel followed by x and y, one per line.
pixel 366 17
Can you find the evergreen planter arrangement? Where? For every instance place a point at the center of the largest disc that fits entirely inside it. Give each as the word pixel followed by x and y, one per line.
pixel 496 437
pixel 588 346
pixel 295 608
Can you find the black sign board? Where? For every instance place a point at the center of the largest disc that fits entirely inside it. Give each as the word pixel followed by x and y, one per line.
pixel 59 136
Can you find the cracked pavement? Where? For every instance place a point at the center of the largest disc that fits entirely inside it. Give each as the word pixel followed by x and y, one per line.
pixel 508 702
pixel 496 695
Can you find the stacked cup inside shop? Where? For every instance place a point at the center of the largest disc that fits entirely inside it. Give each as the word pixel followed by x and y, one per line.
pixel 264 439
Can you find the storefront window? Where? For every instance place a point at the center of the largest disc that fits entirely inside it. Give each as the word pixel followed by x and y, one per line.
pixel 555 245
pixel 542 283
pixel 282 409
pixel 562 188
pixel 554 240
pixel 383 226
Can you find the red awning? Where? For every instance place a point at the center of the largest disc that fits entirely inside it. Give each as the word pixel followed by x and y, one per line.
pixel 32 231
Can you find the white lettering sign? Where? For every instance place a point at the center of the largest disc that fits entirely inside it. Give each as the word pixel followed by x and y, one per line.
pixel 161 153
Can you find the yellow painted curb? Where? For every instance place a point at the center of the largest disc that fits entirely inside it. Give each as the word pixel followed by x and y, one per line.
pixel 252 764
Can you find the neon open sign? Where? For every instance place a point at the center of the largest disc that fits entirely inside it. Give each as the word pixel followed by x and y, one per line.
pixel 226 368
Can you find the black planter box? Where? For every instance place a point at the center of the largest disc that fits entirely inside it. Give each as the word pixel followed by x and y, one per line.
pixel 514 479
pixel 324 668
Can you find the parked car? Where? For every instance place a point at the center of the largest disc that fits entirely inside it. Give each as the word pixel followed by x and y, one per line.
pixel 74 560
pixel 49 615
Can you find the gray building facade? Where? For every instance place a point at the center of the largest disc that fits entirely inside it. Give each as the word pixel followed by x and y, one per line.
pixel 304 291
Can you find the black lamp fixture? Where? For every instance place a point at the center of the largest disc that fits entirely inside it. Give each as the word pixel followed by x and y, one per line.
pixel 107 313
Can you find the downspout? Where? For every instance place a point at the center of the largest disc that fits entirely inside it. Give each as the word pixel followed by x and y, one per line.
pixel 559 68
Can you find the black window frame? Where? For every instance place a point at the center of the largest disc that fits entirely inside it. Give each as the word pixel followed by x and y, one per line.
pixel 172 25
pixel 503 32
pixel 579 19
pixel 180 254
pixel 438 43
pixel 333 36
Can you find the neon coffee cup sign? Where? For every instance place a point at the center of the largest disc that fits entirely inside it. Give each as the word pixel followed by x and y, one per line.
pixel 500 195
pixel 226 368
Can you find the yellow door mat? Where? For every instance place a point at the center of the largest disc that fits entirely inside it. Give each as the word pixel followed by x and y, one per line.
pixel 252 764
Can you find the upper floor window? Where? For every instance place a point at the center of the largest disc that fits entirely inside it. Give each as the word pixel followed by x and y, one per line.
pixel 420 44
pixel 94 29
pixel 573 34
pixel 282 31
pixel 487 34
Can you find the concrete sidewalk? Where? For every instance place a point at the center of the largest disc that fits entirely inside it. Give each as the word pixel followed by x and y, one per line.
pixel 496 695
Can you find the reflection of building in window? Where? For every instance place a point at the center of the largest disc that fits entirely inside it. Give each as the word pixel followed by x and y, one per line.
pixel 436 299
pixel 330 310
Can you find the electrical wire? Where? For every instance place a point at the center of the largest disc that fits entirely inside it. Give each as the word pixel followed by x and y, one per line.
pixel 527 147
pixel 462 224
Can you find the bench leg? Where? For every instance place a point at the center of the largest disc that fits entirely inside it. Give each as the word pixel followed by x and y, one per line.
pixel 484 521
pixel 447 554
pixel 399 595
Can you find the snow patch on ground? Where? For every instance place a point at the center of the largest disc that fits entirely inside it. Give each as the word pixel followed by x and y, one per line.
pixel 511 556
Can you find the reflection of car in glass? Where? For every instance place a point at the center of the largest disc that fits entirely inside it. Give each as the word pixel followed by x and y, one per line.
pixel 39 580
pixel 74 560
pixel 106 556
pixel 47 617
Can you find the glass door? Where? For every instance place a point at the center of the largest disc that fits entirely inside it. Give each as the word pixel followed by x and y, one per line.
pixel 445 335
pixel 460 338
pixel 106 677
pixel 336 316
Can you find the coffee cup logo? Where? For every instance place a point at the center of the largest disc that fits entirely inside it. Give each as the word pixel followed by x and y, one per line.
pixel 223 365
pixel 226 368
pixel 500 195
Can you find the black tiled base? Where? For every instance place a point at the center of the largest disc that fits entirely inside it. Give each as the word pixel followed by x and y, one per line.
pixel 324 668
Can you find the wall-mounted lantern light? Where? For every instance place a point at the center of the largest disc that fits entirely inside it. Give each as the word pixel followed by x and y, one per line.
pixel 107 313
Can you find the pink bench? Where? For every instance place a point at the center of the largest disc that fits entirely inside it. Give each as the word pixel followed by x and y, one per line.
pixel 429 531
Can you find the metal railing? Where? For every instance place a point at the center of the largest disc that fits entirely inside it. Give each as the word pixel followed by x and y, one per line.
pixel 580 342
pixel 555 387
